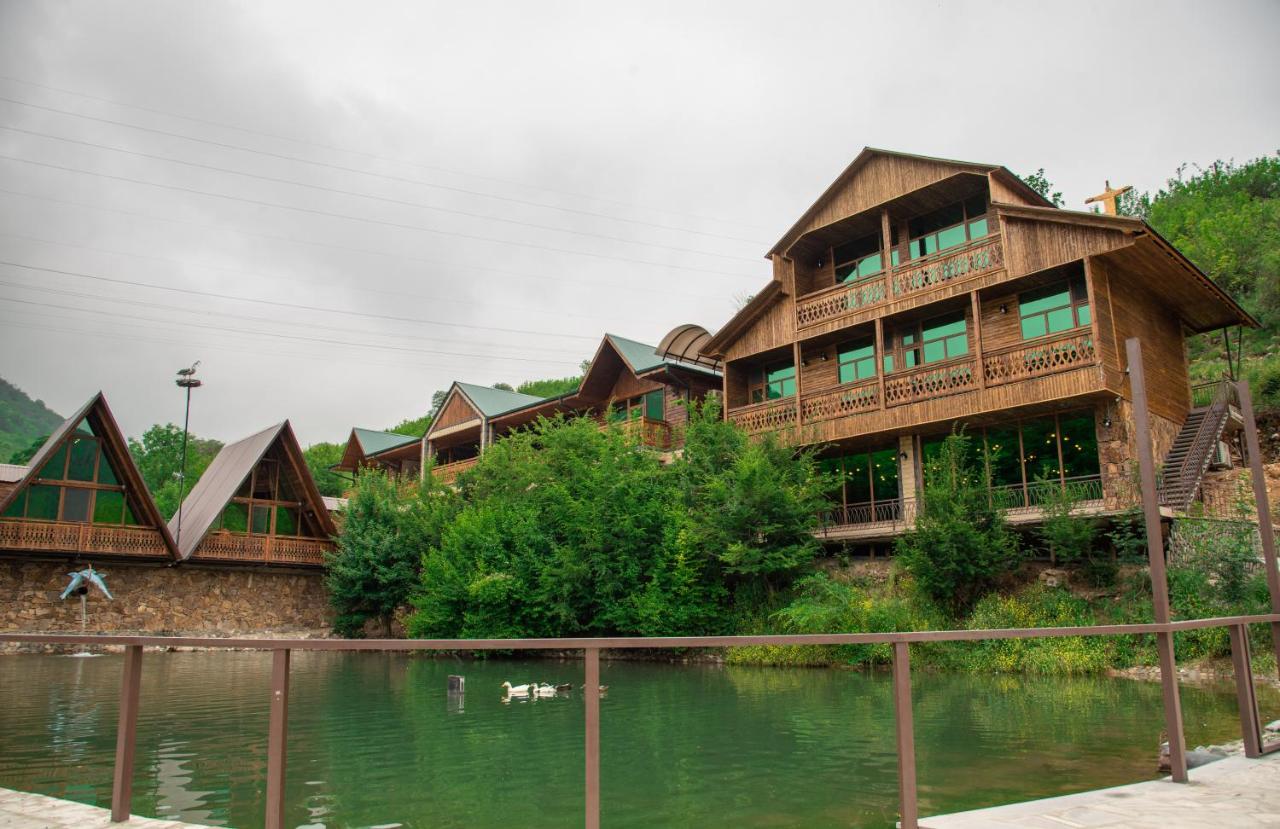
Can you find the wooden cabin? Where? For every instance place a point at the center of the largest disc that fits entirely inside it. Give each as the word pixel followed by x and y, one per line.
pixel 389 451
pixel 643 388
pixel 256 504
pixel 921 293
pixel 82 496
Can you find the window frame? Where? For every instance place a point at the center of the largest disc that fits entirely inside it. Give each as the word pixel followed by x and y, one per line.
pixel 909 342
pixel 1077 305
pixel 92 487
pixel 758 382
pixel 846 356
pixel 967 221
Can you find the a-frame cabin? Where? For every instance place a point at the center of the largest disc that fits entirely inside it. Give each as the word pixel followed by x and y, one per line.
pixel 390 451
pixel 256 504
pixel 82 496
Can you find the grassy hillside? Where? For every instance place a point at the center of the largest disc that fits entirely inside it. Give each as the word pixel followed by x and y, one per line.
pixel 23 421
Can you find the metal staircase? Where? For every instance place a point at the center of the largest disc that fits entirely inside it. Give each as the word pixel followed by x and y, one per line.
pixel 1193 448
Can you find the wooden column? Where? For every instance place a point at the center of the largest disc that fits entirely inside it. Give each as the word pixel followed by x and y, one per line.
pixel 906 736
pixel 886 237
pixel 879 322
pixel 126 735
pixel 591 694
pixel 1155 558
pixel 977 340
pixel 795 356
pixel 277 738
pixel 1246 699
pixel 1266 530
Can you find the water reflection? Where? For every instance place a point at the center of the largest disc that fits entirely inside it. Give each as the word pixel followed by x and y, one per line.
pixel 377 740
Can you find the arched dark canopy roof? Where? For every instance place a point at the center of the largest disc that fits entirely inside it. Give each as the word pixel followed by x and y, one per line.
pixel 685 344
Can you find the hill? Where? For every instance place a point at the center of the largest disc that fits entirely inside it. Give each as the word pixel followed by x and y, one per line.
pixel 23 421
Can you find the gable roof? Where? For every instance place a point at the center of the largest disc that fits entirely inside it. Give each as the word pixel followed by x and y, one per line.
pixel 491 402
pixel 364 443
pixel 740 321
pixel 642 358
pixel 118 450
pixel 223 477
pixel 870 153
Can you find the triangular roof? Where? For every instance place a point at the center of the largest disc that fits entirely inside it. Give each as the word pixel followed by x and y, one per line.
pixel 491 402
pixel 362 443
pixel 228 470
pixel 868 154
pixel 108 431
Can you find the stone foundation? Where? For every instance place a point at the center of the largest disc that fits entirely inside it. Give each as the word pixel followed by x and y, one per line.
pixel 1118 450
pixel 160 600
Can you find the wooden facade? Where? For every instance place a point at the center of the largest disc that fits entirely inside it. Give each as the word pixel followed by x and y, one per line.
pixel 643 389
pixel 920 293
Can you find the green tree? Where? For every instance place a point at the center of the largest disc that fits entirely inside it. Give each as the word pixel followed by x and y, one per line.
pixel 960 544
pixel 24 456
pixel 320 457
pixel 158 456
pixel 552 387
pixel 1040 183
pixel 1071 537
pixel 416 426
pixel 387 527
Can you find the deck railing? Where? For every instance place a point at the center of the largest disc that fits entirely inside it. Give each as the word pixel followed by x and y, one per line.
pixel 76 537
pixel 838 300
pixel 447 473
pixel 267 549
pixel 1038 358
pixel 897 512
pixel 278 694
pixel 655 434
pixel 928 382
pixel 920 274
pixel 845 399
pixel 768 416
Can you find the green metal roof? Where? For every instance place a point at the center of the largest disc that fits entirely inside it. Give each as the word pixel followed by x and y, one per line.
pixel 492 402
pixel 372 442
pixel 644 358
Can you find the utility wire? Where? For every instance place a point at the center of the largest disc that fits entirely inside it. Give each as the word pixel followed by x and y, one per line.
pixel 375 156
pixel 400 202
pixel 347 216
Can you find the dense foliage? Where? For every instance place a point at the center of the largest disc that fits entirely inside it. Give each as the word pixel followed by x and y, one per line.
pixel 158 455
pixel 320 458
pixel 552 387
pixel 24 424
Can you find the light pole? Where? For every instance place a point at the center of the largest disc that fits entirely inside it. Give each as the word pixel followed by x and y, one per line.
pixel 186 380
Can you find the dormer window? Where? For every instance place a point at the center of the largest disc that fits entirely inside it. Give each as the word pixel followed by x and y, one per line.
pixel 949 226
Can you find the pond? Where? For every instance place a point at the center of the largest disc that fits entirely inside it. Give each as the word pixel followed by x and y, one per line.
pixel 375 741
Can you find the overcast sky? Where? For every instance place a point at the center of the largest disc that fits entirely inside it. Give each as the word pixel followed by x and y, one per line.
pixel 374 199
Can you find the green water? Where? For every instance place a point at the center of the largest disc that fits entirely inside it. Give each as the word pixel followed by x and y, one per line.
pixel 375 741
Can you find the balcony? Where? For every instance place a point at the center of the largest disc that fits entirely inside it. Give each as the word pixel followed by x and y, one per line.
pixel 841 401
pixel 867 521
pixel 931 381
pixel 912 277
pixel 655 434
pixel 769 416
pixel 74 537
pixel 1037 358
pixel 263 549
pixel 447 473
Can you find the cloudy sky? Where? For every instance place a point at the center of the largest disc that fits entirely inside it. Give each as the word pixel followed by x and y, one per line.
pixel 338 208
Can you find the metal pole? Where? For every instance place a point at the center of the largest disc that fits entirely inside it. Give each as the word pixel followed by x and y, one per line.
pixel 277 737
pixel 591 691
pixel 906 736
pixel 1155 558
pixel 182 473
pixel 1266 531
pixel 1246 699
pixel 126 735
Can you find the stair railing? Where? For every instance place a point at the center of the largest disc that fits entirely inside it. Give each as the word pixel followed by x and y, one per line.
pixel 1180 484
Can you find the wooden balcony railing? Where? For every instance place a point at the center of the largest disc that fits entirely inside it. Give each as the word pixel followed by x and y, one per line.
pixel 74 537
pixel 928 382
pixel 838 300
pixel 843 400
pixel 656 434
pixel 920 274
pixel 266 549
pixel 1038 358
pixel 768 416
pixel 447 473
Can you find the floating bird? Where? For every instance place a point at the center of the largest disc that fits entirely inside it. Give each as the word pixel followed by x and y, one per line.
pixel 517 690
pixel 80 581
pixel 565 688
pixel 544 691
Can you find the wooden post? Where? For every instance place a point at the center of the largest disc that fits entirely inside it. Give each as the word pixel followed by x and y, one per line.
pixel 277 738
pixel 1246 699
pixel 879 322
pixel 978 366
pixel 1155 558
pixel 1266 530
pixel 796 358
pixel 591 692
pixel 126 735
pixel 906 736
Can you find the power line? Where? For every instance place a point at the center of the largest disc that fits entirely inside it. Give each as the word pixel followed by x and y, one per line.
pixel 317 212
pixel 625 285
pixel 366 154
pixel 388 200
pixel 279 304
pixel 370 173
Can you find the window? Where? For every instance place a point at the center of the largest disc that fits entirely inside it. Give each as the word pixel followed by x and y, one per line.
pixel 869 480
pixel 648 405
pixel 266 503
pixel 941 338
pixel 858 259
pixel 948 227
pixel 772 382
pixel 77 483
pixel 856 361
pixel 653 405
pixel 1054 309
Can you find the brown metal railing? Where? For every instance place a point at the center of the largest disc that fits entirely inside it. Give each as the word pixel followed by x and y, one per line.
pixel 1179 484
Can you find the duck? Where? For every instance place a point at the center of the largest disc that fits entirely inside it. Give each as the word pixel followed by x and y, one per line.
pixel 565 688
pixel 517 690
pixel 544 690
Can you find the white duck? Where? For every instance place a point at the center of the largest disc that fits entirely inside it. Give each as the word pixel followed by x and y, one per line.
pixel 544 690
pixel 517 690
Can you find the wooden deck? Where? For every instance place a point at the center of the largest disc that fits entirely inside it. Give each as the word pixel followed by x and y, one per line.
pixel 25 535
pixel 263 549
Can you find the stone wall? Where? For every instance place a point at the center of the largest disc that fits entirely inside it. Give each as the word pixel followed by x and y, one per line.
pixel 162 600
pixel 1118 448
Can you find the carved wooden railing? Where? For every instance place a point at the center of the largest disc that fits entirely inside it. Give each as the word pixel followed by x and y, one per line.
pixel 841 299
pixel 937 380
pixel 447 473
pixel 229 546
pixel 645 431
pixel 1038 358
pixel 846 399
pixel 73 537
pixel 768 416
pixel 920 274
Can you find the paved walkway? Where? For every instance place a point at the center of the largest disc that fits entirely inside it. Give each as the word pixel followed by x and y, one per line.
pixel 1234 793
pixel 19 810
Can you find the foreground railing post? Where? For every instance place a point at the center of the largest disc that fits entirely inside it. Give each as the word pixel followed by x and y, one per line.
pixel 277 738
pixel 1246 699
pixel 591 692
pixel 1266 531
pixel 126 735
pixel 906 736
pixel 1155 559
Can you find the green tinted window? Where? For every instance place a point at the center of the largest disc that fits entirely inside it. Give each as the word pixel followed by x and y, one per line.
pixel 1003 458
pixel 1083 314
pixel 857 361
pixel 19 505
pixel 286 521
pixel 83 458
pixel 42 502
pixel 944 338
pixel 84 427
pixel 75 504
pixel 1040 448
pixel 235 518
pixel 978 229
pixel 56 466
pixel 129 517
pixel 884 474
pixel 653 405
pixel 108 507
pixel 261 519
pixel 951 237
pixel 780 382
pixel 107 475
pixel 1053 309
pixel 857 480
pixel 1079 445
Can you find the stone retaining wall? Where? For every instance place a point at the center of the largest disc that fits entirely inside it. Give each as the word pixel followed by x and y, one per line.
pixel 161 600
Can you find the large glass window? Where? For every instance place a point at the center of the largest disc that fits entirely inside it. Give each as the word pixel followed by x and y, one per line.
pixel 858 259
pixel 856 361
pixel 948 227
pixel 1054 309
pixel 268 503
pixel 867 480
pixel 944 338
pixel 76 483
pixel 1079 440
pixel 772 382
